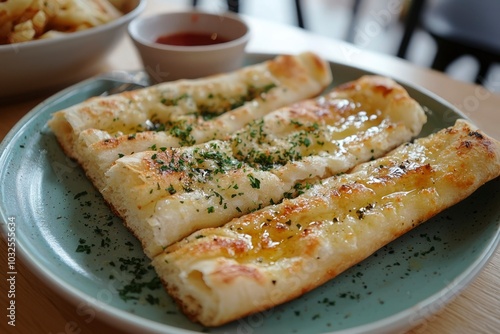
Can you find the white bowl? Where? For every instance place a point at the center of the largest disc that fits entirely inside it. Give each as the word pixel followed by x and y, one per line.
pixel 48 63
pixel 171 62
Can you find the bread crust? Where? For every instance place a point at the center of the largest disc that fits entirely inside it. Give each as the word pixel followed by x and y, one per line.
pixel 278 253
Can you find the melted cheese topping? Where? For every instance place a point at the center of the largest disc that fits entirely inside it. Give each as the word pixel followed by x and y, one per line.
pixel 179 190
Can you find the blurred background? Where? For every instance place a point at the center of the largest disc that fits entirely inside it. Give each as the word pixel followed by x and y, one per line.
pixel 379 25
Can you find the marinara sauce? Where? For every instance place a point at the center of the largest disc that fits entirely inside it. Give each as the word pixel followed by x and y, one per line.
pixel 191 39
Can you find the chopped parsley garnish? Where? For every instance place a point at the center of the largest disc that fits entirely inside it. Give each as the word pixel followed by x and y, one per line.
pixel 254 182
pixel 80 194
pixel 140 271
pixel 83 247
pixel 171 190
pixel 182 131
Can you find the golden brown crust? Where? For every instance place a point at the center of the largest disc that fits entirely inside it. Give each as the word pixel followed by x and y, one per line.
pixel 328 229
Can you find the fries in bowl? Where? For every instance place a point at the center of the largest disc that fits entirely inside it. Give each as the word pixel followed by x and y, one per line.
pixel 26 20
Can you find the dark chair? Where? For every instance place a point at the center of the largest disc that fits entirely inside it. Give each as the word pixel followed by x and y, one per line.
pixel 459 27
pixel 234 6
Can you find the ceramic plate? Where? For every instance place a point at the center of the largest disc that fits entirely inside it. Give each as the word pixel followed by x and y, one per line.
pixel 68 234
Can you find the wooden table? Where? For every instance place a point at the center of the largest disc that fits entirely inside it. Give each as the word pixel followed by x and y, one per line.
pixel 40 309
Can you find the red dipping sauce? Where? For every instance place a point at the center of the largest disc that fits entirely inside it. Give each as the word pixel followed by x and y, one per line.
pixel 191 39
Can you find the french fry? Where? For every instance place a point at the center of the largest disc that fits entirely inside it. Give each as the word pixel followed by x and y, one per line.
pixel 26 20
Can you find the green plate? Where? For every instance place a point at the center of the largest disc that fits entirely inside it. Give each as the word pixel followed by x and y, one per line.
pixel 68 235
